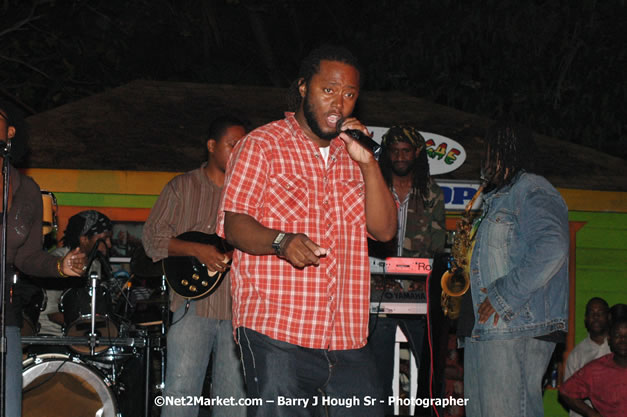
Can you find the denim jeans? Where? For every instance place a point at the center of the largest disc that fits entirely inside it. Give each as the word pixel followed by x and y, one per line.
pixel 382 340
pixel 504 377
pixel 336 383
pixel 13 396
pixel 190 343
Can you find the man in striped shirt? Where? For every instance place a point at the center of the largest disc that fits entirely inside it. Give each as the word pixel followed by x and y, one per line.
pixel 298 204
pixel 199 327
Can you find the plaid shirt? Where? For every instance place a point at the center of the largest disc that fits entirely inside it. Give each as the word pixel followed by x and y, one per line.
pixel 278 176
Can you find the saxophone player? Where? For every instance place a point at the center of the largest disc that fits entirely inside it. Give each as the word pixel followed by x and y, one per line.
pixel 517 307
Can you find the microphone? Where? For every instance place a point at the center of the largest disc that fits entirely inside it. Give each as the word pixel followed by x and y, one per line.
pixel 95 269
pixel 105 266
pixel 91 257
pixel 5 148
pixel 95 259
pixel 361 138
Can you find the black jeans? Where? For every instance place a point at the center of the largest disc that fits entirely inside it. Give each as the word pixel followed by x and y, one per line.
pixel 382 340
pixel 293 381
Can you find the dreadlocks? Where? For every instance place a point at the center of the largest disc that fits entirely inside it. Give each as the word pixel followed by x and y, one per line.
pixel 420 167
pixel 311 65
pixel 509 149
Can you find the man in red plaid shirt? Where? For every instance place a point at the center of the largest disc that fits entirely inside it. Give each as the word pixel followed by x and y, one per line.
pixel 298 204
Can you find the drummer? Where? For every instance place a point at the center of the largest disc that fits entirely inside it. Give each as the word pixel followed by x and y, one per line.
pixel 83 231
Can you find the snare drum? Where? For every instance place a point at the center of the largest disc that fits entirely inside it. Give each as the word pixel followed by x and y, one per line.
pixel 116 355
pixel 60 385
pixel 49 220
pixel 75 304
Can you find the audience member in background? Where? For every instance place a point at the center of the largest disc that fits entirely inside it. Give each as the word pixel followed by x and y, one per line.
pixel 603 381
pixel 595 345
pixel 617 311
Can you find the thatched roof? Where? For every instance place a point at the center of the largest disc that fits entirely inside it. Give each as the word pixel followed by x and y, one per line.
pixel 159 126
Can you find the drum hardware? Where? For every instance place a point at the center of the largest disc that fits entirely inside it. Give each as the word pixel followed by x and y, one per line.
pixel 147 380
pixel 76 305
pixel 165 320
pixel 157 339
pixel 94 274
pixel 137 342
pixel 119 285
pixel 117 355
pixel 157 344
pixel 142 266
pixel 160 346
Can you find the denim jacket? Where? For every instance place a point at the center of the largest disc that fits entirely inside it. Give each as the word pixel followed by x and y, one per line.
pixel 521 258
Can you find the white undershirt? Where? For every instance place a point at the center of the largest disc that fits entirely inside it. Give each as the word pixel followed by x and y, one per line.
pixel 325 154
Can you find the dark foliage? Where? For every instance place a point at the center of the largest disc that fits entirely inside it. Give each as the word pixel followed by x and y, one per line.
pixel 555 66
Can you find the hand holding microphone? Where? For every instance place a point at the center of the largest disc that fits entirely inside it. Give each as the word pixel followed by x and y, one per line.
pixel 361 138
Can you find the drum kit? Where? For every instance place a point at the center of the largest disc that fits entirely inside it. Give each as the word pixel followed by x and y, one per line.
pixel 113 337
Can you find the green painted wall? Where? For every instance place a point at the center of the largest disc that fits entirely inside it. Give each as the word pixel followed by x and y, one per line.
pixel 601 272
pixel 105 200
pixel 601 262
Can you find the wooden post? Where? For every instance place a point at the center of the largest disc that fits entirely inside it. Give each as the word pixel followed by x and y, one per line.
pixel 570 338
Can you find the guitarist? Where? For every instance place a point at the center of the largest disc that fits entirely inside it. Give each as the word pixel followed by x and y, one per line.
pixel 200 327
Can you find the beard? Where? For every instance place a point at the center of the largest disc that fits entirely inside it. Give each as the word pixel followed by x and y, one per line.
pixel 403 171
pixel 310 117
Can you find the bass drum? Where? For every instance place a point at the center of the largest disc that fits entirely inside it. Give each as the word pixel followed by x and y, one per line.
pixel 75 304
pixel 55 385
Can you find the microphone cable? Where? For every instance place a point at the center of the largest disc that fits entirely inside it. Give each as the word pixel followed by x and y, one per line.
pixel 430 346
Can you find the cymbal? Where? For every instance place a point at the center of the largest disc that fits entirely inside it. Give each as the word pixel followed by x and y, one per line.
pixel 143 266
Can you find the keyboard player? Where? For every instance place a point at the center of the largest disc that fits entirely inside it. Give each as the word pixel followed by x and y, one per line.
pixel 421 233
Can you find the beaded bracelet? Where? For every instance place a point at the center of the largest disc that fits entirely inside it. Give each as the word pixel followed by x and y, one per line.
pixel 60 268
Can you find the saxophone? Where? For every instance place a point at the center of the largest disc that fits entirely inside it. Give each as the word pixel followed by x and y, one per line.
pixel 455 281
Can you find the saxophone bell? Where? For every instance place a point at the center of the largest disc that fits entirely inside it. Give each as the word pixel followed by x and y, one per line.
pixel 455 283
